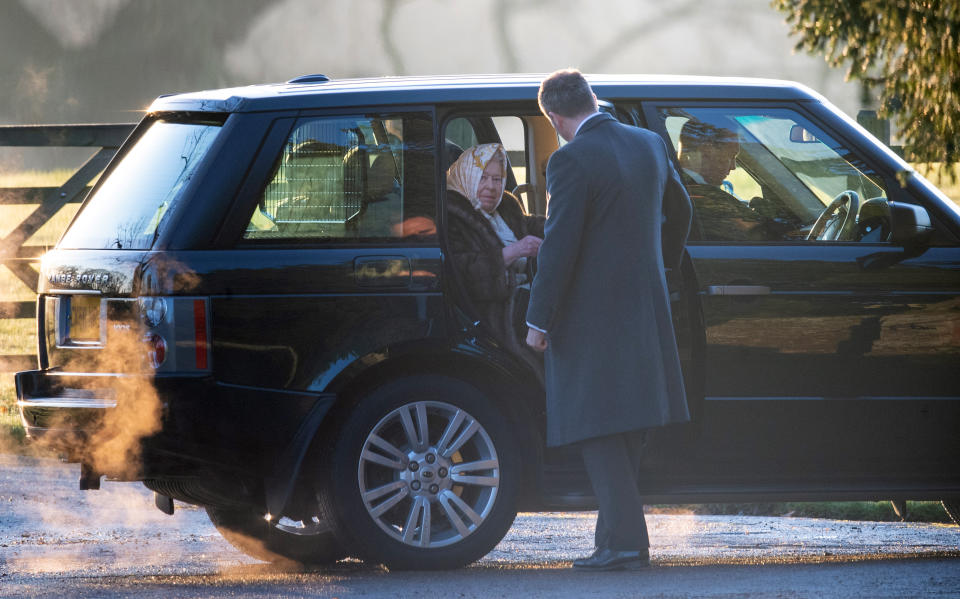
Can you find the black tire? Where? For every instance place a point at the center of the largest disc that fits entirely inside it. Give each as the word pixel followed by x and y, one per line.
pixel 250 533
pixel 443 513
pixel 952 507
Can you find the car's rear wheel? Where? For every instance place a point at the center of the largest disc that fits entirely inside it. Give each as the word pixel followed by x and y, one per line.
pixel 952 507
pixel 281 540
pixel 424 475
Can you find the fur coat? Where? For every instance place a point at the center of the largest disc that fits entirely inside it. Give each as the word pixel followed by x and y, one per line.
pixel 475 251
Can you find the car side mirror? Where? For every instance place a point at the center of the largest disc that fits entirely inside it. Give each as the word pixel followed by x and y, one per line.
pixel 799 135
pixel 910 224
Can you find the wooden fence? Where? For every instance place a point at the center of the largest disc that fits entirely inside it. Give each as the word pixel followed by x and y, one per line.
pixel 15 255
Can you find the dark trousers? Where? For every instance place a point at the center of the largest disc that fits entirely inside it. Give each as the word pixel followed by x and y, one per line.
pixel 612 463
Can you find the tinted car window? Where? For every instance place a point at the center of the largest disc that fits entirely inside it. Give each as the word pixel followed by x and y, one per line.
pixel 460 132
pixel 129 207
pixel 351 178
pixel 764 175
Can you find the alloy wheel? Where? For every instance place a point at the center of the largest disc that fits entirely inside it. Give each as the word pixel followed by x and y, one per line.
pixel 428 474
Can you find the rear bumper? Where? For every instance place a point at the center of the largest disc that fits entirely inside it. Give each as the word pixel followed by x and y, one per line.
pixel 69 405
pixel 114 422
pixel 134 427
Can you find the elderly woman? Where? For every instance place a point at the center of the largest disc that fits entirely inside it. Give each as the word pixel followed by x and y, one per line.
pixel 491 239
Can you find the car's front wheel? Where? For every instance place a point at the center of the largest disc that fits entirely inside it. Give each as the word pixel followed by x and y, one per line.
pixel 424 474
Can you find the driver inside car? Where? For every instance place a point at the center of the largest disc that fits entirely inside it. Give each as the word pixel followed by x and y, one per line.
pixel 707 154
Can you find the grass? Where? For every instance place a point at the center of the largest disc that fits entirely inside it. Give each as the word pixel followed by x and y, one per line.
pixel 18 336
pixel 948 182
pixel 871 511
pixel 13 214
pixel 36 178
pixel 11 429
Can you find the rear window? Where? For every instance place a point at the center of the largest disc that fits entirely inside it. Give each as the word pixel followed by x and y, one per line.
pixel 128 208
pixel 352 179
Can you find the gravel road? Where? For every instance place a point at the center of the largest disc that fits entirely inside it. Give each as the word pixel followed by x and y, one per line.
pixel 56 541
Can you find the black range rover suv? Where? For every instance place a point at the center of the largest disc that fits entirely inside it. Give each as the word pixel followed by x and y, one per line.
pixel 254 312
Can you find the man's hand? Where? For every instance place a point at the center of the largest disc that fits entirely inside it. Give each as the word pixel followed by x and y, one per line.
pixel 537 339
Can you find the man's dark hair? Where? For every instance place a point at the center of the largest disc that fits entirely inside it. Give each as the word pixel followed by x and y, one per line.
pixel 696 133
pixel 566 93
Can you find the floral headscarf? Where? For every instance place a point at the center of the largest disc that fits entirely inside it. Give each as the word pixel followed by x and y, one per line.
pixel 464 174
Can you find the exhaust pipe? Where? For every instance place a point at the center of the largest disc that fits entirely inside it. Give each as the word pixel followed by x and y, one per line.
pixel 89 477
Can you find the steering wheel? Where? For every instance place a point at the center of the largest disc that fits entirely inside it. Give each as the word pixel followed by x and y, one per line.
pixel 830 227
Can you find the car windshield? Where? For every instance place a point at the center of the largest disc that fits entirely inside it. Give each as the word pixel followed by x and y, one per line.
pixel 824 166
pixel 129 207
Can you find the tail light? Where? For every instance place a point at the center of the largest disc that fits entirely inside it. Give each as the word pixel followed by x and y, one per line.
pixel 153 310
pixel 177 337
pixel 167 334
pixel 156 349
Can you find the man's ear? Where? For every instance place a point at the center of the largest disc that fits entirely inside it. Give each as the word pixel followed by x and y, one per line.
pixel 553 116
pixel 692 159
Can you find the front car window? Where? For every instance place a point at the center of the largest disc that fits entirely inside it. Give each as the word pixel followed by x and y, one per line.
pixel 351 178
pixel 129 207
pixel 772 175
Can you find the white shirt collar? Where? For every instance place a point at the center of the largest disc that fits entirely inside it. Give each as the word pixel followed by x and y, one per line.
pixel 595 114
pixel 697 178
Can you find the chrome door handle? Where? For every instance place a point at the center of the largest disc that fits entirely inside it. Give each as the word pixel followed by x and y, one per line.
pixel 738 290
pixel 382 271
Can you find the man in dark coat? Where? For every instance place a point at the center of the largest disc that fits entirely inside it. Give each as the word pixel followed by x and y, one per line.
pixel 600 307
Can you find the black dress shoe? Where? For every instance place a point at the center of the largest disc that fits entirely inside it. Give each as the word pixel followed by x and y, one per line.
pixel 604 560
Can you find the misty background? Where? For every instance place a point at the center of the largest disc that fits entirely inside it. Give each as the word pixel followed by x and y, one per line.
pixel 67 61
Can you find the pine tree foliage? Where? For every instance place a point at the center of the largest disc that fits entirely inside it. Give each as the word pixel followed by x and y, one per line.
pixel 908 50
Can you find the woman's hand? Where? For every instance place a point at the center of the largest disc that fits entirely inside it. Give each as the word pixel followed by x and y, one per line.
pixel 524 248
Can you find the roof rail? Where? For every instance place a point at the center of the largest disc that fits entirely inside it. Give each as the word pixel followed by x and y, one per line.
pixel 315 78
